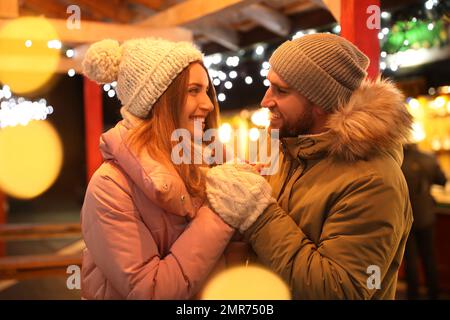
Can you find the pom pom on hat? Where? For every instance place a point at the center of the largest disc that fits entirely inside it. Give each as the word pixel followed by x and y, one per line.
pixel 101 62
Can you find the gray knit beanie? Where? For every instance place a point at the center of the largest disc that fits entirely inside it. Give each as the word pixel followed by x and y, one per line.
pixel 143 68
pixel 324 68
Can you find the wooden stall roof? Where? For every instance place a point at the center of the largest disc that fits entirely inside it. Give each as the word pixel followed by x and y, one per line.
pixel 214 25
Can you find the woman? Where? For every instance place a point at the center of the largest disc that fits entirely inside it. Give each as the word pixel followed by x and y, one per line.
pixel 147 233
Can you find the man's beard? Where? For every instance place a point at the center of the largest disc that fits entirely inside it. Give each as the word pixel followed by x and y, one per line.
pixel 302 125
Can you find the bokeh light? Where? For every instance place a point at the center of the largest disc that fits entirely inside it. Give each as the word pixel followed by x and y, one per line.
pixel 27 62
pixel 246 283
pixel 30 159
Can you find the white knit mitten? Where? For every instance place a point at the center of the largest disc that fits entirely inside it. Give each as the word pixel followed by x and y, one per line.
pixel 238 194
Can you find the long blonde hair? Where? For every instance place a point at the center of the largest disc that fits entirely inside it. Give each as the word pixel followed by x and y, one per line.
pixel 154 133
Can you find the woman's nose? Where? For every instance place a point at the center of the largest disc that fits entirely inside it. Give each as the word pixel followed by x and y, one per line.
pixel 206 105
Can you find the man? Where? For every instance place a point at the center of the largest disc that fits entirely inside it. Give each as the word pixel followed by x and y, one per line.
pixel 421 170
pixel 341 218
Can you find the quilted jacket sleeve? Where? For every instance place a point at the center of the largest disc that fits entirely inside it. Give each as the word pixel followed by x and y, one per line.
pixel 124 250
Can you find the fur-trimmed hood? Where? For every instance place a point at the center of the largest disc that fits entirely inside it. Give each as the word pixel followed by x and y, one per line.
pixel 374 121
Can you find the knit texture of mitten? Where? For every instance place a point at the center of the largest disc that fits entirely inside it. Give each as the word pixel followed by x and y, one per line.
pixel 238 194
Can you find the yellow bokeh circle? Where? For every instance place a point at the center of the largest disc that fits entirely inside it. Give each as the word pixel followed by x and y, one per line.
pixel 246 283
pixel 30 159
pixel 27 62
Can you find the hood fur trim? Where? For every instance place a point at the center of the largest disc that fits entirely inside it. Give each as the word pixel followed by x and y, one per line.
pixel 374 120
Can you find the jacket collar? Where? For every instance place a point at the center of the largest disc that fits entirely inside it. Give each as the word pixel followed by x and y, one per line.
pixel 374 121
pixel 162 185
pixel 307 147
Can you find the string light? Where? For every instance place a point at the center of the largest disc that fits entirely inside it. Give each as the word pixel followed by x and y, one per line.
pixel 248 80
pixel 216 58
pixel 213 73
pixel 71 72
pixel 216 82
pixel 260 117
pixel 111 93
pixel 70 53
pixel 394 67
pixel 228 85
pixel 264 73
pixel 22 111
pixel 337 29
pixel 232 74
pixel 222 76
pixel 225 131
pixel 221 97
pixel 253 134
pixel 414 104
pixel 297 35
pixel 5 92
pixel 232 61
pixel 54 44
pixel 259 50
pixel 266 82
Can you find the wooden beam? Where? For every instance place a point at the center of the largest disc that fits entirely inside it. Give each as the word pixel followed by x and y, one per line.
pixel 193 10
pixel 270 19
pixel 304 20
pixel 39 231
pixel 36 266
pixel 151 4
pixel 91 31
pixel 334 6
pixel 227 38
pixel 54 9
pixel 64 64
pixel 300 7
pixel 9 8
pixel 115 10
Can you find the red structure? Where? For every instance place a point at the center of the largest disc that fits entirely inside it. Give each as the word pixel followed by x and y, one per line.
pixel 357 27
pixel 93 119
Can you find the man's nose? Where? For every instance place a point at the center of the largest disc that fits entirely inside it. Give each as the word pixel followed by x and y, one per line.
pixel 267 101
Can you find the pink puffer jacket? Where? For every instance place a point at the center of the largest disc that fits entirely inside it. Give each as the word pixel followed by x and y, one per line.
pixel 146 238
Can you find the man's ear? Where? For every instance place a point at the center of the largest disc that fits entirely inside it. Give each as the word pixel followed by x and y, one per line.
pixel 318 111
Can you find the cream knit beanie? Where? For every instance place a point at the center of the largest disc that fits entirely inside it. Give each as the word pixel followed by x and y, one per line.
pixel 143 68
pixel 324 68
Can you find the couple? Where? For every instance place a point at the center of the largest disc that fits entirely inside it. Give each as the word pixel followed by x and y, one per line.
pixel 337 208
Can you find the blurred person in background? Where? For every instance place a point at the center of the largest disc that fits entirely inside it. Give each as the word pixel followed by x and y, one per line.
pixel 421 171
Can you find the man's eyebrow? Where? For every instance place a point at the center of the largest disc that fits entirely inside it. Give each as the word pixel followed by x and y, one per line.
pixel 280 86
pixel 198 84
